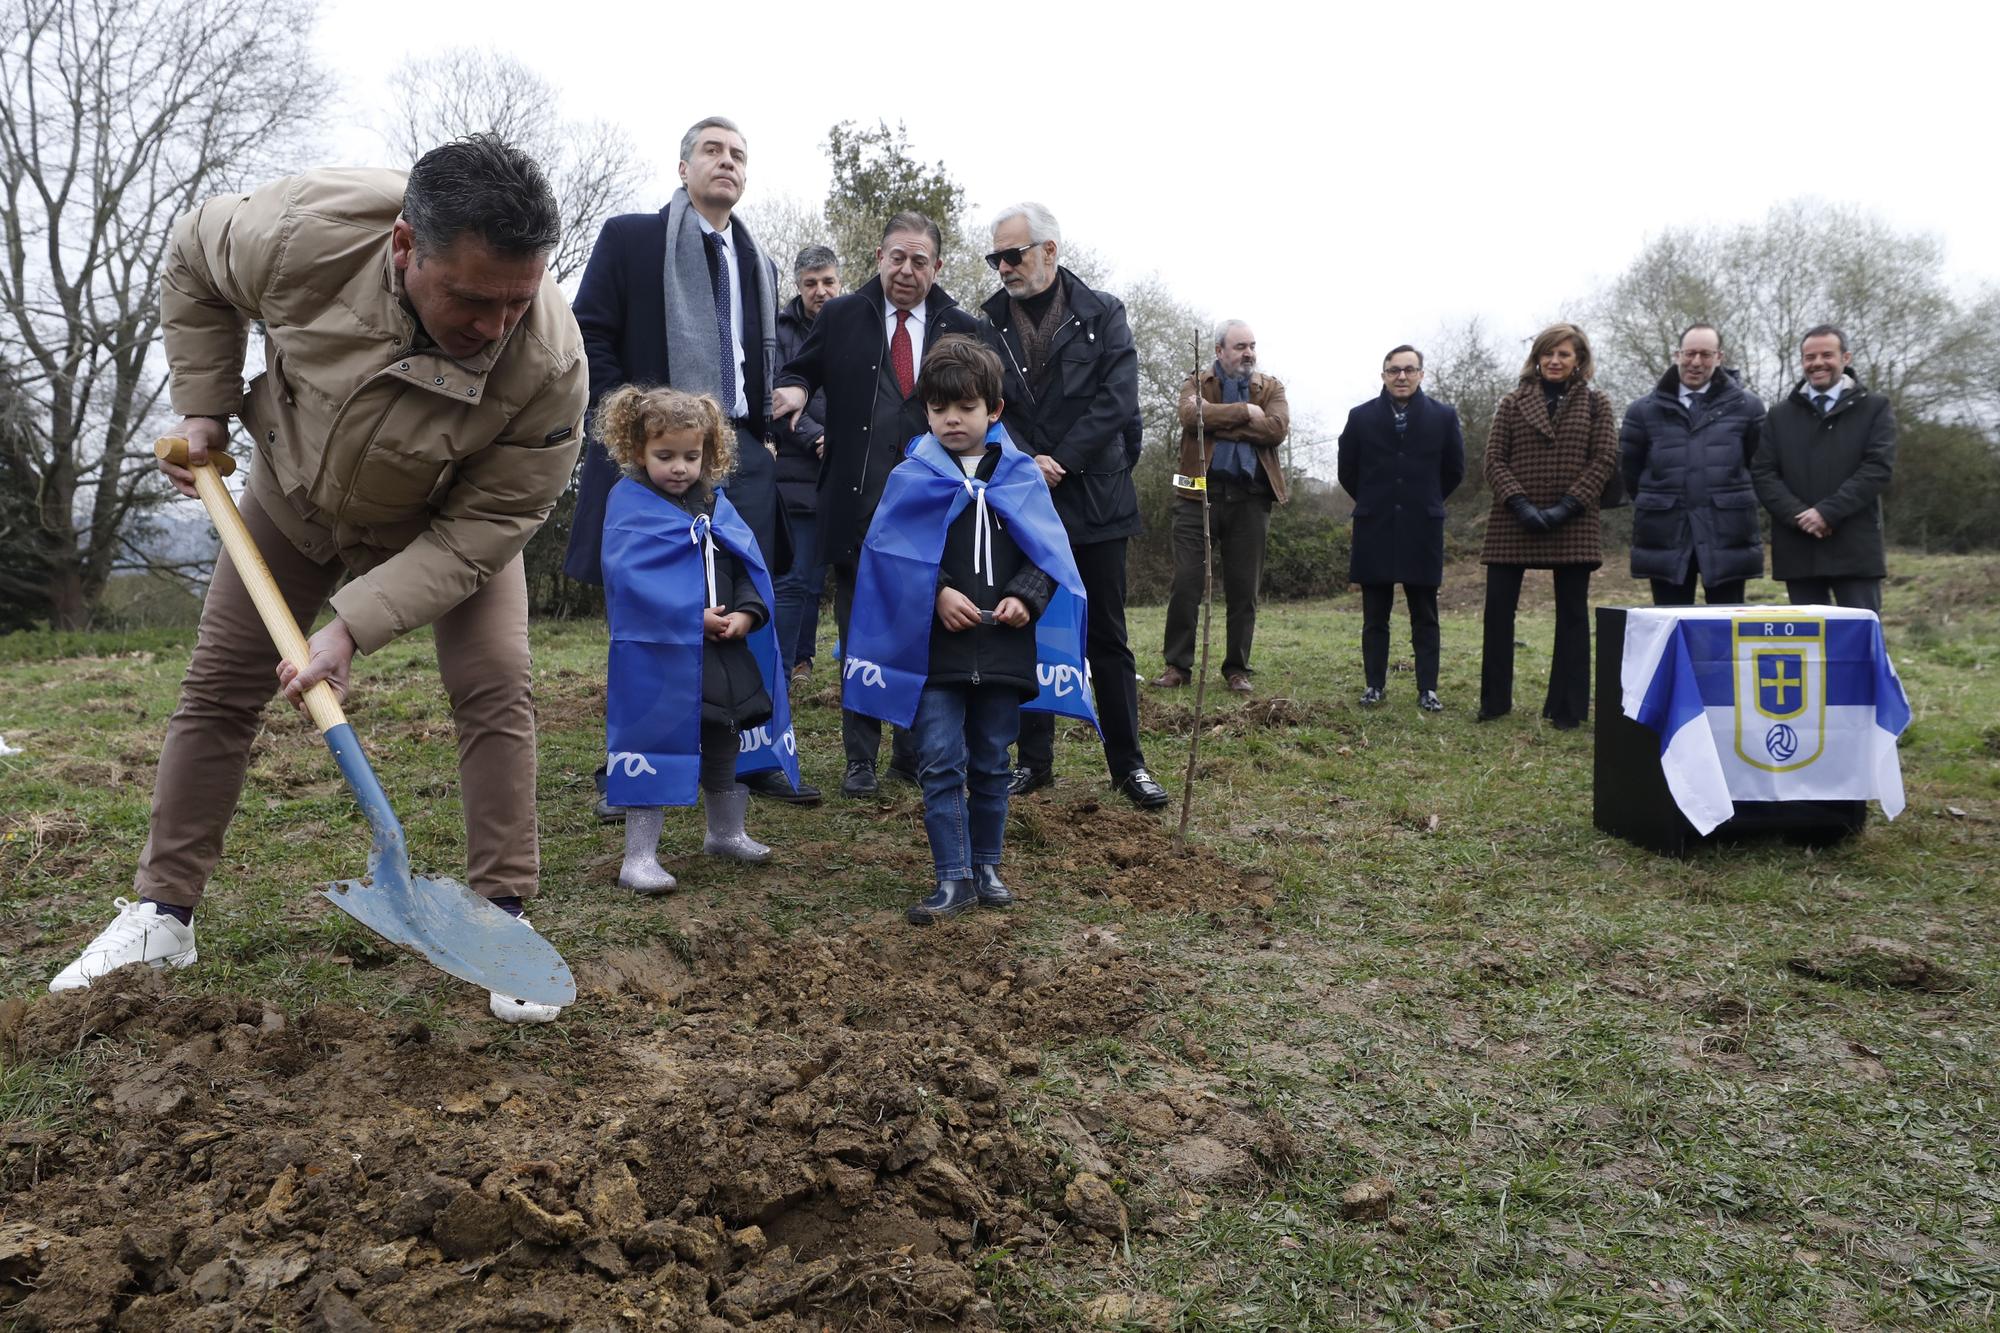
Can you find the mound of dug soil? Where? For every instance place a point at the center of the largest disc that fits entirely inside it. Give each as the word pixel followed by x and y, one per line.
pixel 1109 850
pixel 780 1134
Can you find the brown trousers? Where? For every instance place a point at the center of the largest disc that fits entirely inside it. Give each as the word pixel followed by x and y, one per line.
pixel 482 652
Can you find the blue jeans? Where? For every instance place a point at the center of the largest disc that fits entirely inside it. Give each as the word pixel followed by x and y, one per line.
pixel 798 591
pixel 963 732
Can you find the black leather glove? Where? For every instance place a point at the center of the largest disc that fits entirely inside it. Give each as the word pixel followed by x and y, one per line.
pixel 1562 511
pixel 1524 510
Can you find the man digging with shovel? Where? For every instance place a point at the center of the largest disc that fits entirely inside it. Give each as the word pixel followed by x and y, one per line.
pixel 419 412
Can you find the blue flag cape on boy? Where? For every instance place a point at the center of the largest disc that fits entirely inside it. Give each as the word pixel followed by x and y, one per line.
pixel 654 586
pixel 887 655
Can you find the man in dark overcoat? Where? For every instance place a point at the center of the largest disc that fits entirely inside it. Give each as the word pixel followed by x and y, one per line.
pixel 1826 456
pixel 864 352
pixel 1233 420
pixel 1684 452
pixel 685 298
pixel 1401 453
pixel 1072 391
pixel 816 274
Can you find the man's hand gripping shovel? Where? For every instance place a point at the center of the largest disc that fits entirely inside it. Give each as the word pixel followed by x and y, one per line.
pixel 452 927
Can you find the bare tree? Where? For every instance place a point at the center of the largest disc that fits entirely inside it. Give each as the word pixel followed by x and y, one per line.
pixel 1764 284
pixel 1465 368
pixel 115 118
pixel 593 165
pixel 784 224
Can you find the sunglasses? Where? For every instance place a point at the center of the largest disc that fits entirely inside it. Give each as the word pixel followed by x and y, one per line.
pixel 1011 256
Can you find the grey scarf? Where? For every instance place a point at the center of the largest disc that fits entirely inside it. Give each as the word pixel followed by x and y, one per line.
pixel 694 356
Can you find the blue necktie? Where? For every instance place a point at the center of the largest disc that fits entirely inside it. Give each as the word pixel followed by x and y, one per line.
pixel 718 269
pixel 1824 402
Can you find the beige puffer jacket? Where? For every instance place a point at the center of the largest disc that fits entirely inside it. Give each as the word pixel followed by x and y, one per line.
pixel 424 475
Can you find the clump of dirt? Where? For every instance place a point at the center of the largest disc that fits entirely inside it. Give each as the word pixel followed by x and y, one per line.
pixel 1126 855
pixel 1267 713
pixel 754 1132
pixel 1878 964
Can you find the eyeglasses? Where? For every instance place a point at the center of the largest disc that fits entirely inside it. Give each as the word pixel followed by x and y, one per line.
pixel 1011 256
pixel 1398 372
pixel 917 262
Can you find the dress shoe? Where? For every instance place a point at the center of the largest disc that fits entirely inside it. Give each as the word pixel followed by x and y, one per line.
pixel 860 780
pixel 1565 723
pixel 951 897
pixel 1370 697
pixel 773 785
pixel 608 813
pixel 992 893
pixel 895 772
pixel 1238 683
pixel 1030 779
pixel 1170 679
pixel 1140 789
pixel 1428 701
pixel 801 672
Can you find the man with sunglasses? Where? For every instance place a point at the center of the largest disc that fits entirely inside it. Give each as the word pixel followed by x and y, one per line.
pixel 864 352
pixel 1072 391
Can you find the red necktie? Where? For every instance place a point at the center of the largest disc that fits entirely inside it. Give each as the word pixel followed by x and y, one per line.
pixel 900 359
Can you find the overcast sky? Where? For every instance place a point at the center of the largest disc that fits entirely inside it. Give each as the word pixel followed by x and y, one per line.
pixel 1345 178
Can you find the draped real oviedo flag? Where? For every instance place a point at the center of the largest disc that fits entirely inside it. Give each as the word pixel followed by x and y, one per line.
pixel 886 658
pixel 1793 703
pixel 655 584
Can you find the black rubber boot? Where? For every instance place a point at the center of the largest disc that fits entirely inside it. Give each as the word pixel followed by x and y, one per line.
pixel 951 897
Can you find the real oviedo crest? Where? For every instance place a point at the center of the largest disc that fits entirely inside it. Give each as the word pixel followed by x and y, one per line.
pixel 1780 693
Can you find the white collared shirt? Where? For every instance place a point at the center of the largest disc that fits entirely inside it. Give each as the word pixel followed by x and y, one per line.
pixel 1834 395
pixel 916 326
pixel 728 235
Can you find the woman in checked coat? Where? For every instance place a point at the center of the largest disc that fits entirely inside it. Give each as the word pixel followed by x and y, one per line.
pixel 1552 448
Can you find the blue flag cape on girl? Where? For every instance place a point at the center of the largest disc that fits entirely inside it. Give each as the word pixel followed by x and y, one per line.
pixel 887 655
pixel 655 580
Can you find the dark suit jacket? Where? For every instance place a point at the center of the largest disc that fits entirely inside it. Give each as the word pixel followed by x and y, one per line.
pixel 1399 487
pixel 1838 464
pixel 1083 412
pixel 868 424
pixel 621 306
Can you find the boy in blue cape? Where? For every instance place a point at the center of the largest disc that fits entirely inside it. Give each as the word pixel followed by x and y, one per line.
pixel 967 607
pixel 693 674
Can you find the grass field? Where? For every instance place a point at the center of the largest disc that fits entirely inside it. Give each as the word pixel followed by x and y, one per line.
pixel 1608 1090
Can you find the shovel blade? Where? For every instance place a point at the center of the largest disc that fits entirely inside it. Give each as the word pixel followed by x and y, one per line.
pixel 457 931
pixel 449 925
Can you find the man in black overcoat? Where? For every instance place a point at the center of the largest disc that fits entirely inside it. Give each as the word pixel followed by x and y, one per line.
pixel 1072 391
pixel 864 352
pixel 1400 454
pixel 1826 456
pixel 661 298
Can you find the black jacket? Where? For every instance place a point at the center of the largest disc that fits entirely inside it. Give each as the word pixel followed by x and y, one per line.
pixel 1688 473
pixel 732 688
pixel 868 425
pixel 1399 485
pixel 798 457
pixel 1839 465
pixel 1083 412
pixel 988 654
pixel 621 307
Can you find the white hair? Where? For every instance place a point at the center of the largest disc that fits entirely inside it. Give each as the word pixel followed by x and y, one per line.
pixel 1042 224
pixel 1222 329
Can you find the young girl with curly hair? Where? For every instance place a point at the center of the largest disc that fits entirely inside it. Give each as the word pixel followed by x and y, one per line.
pixel 674 548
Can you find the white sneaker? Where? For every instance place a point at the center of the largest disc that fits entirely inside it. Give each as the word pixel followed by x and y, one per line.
pixel 141 934
pixel 510 1010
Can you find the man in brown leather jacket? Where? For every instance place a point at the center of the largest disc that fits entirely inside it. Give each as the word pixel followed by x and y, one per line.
pixel 1243 418
pixel 419 411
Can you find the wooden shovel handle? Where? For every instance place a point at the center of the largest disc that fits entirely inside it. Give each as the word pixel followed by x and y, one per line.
pixel 321 702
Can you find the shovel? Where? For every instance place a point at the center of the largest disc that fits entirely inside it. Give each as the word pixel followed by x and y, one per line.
pixel 450 926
